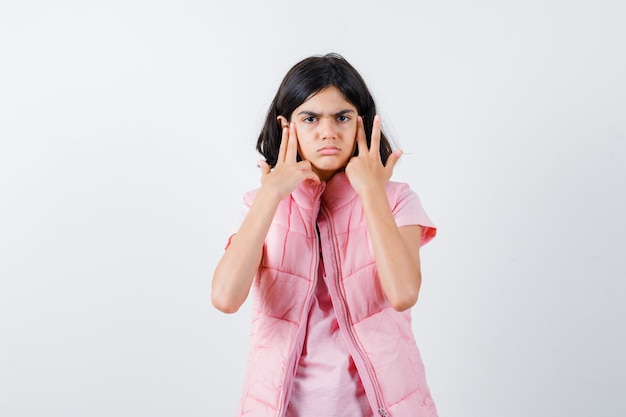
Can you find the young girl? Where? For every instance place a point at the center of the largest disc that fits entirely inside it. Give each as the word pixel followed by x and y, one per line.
pixel 330 247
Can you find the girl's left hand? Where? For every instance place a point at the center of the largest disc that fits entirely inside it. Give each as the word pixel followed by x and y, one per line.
pixel 366 170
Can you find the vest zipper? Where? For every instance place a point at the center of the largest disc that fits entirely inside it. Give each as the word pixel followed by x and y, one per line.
pixel 345 317
pixel 302 331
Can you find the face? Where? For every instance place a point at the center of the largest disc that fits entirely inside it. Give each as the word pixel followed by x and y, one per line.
pixel 326 124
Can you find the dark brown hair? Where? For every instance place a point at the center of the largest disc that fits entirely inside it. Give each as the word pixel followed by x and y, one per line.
pixel 307 78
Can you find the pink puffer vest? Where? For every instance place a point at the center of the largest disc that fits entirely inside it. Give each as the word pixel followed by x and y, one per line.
pixel 380 339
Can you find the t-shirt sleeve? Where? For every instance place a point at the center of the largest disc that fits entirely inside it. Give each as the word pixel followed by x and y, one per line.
pixel 243 212
pixel 408 211
pixel 248 198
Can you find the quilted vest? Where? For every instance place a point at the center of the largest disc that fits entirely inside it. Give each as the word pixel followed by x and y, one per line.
pixel 379 338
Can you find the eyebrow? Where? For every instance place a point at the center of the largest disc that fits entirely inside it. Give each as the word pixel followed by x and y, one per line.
pixel 312 113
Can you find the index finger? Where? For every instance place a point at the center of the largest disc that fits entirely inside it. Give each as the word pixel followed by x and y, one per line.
pixel 283 145
pixel 292 145
pixel 361 141
pixel 375 143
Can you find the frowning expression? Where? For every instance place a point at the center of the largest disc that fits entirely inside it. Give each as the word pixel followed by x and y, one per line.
pixel 326 125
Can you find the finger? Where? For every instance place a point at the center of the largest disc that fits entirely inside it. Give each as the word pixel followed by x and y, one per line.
pixel 265 168
pixel 292 145
pixel 392 161
pixel 375 143
pixel 361 140
pixel 284 140
pixel 307 169
pixel 312 176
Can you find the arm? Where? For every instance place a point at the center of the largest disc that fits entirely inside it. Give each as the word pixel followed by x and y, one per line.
pixel 235 271
pixel 396 250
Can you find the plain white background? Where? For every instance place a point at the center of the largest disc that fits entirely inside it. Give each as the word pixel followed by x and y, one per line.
pixel 127 134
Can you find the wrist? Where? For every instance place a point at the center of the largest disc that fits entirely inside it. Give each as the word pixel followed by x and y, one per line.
pixel 372 192
pixel 269 195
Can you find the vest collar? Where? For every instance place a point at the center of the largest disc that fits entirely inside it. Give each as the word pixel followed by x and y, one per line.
pixel 335 193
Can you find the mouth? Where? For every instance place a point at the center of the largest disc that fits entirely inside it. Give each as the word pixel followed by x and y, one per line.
pixel 329 150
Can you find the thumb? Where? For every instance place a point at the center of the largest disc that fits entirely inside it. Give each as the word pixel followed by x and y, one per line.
pixel 393 160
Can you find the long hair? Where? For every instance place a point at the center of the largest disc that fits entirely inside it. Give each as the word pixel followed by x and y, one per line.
pixel 307 78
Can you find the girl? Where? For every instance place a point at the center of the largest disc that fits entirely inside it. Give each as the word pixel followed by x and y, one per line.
pixel 331 249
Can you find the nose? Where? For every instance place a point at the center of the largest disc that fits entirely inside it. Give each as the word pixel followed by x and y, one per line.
pixel 328 129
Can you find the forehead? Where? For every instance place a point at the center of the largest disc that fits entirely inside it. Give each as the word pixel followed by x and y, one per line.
pixel 329 98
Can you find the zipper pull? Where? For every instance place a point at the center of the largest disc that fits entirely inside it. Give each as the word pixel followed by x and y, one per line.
pixel 383 412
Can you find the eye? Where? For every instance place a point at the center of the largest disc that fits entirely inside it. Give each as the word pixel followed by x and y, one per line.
pixel 343 118
pixel 310 119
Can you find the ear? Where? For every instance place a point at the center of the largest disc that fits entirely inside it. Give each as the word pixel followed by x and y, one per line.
pixel 282 121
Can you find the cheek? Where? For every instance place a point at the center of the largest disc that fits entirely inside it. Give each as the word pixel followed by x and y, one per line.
pixel 305 143
pixel 351 133
pixel 304 138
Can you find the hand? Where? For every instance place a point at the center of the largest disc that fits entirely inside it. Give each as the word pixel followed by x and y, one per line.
pixel 288 172
pixel 366 170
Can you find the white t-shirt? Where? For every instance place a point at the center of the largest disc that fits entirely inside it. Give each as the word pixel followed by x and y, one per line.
pixel 326 383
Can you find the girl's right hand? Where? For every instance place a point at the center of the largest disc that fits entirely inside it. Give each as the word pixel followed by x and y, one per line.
pixel 288 172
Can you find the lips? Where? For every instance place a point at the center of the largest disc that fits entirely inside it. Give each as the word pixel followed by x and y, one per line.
pixel 329 150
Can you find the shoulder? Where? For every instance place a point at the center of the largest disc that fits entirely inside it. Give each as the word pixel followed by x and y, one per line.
pixel 398 191
pixel 248 196
pixel 408 210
